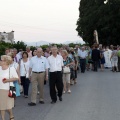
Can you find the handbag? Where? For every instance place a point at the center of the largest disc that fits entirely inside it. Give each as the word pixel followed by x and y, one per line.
pixel 25 71
pixel 66 70
pixel 12 89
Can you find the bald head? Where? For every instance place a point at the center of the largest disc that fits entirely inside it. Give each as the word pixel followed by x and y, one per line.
pixel 83 48
pixel 39 52
pixel 39 49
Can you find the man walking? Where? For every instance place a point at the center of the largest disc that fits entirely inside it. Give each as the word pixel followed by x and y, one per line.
pixel 82 55
pixel 95 57
pixel 56 64
pixel 38 66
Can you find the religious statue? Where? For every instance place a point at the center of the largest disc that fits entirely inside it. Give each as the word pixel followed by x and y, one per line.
pixel 96 37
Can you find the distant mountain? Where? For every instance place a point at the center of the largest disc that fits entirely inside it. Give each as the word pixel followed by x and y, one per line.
pixel 76 42
pixel 39 43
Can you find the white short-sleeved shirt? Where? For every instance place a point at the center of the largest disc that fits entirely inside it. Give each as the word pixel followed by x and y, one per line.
pixel 39 64
pixel 5 74
pixel 55 63
pixel 82 54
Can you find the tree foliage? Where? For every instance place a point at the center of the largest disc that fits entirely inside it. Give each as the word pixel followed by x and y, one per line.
pixel 18 45
pixel 105 18
pixel 22 45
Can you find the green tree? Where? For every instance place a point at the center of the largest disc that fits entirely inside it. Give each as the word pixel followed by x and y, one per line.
pixel 94 14
pixel 18 45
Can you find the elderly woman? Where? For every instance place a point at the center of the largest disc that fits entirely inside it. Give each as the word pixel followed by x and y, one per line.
pixel 66 76
pixel 16 66
pixel 7 76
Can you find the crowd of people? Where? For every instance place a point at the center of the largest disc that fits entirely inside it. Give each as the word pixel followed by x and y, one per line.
pixel 59 66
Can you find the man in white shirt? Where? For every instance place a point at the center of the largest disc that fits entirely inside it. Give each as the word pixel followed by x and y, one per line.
pixel 56 64
pixel 39 68
pixel 82 54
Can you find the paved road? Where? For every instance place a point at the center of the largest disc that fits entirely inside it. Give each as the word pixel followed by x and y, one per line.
pixel 95 97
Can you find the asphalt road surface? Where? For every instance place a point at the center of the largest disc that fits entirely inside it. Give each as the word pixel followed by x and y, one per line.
pixel 96 96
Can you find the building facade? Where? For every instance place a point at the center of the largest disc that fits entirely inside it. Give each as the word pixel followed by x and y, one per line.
pixel 7 37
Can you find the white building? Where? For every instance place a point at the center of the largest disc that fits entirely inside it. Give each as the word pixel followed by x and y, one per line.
pixel 7 37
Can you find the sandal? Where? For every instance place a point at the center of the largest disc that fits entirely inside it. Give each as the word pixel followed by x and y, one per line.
pixel 12 118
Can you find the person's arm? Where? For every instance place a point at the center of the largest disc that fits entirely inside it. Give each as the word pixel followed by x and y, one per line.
pixel 111 56
pixel 62 64
pixel 13 76
pixel 86 54
pixel 72 62
pixel 30 70
pixel 46 74
pixel 92 55
pixel 18 72
pixel 99 55
pixel 46 69
pixel 10 80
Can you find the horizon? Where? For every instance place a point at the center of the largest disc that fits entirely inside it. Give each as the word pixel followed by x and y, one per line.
pixel 38 20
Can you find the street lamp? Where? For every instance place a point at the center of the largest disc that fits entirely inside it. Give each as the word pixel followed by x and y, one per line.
pixel 105 2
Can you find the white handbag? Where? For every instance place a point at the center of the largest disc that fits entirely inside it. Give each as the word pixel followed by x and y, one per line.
pixel 66 70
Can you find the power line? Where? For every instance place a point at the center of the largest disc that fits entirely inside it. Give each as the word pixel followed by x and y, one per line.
pixel 31 27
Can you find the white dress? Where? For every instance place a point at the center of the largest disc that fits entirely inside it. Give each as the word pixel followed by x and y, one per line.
pixel 107 55
pixel 5 101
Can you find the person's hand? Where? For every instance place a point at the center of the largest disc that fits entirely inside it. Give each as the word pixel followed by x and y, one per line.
pixel 5 80
pixel 67 65
pixel 29 77
pixel 19 81
pixel 46 78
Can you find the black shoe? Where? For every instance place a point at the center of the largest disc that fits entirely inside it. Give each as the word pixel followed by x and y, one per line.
pixel 41 102
pixel 32 104
pixel 53 102
pixel 60 98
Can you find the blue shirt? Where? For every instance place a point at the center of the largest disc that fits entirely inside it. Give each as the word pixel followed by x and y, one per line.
pixel 39 64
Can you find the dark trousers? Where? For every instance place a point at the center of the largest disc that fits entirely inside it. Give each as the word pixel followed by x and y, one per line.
pixel 95 64
pixel 56 82
pixel 82 65
pixel 75 74
pixel 25 82
pixel 118 63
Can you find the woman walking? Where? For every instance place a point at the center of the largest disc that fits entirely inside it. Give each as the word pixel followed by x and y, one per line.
pixel 7 76
pixel 66 76
pixel 16 66
pixel 24 73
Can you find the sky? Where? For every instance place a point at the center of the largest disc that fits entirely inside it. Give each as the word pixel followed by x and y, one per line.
pixel 40 20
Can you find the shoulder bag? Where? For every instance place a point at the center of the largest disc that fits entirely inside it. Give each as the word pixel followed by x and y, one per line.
pixel 12 89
